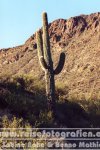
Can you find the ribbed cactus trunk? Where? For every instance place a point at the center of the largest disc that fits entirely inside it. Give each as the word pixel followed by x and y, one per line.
pixel 49 75
pixel 47 63
pixel 50 89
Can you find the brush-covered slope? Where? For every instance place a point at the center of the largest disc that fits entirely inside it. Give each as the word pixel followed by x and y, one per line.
pixel 79 38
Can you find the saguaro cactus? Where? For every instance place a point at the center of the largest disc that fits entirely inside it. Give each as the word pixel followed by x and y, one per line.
pixel 46 62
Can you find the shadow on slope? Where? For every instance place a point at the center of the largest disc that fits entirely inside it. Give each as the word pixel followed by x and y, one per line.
pixel 32 107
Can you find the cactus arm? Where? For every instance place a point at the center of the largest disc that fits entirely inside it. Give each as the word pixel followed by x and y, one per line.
pixel 40 51
pixel 60 64
pixel 39 43
pixel 43 64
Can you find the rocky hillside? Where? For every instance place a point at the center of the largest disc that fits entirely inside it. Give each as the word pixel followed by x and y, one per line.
pixel 79 38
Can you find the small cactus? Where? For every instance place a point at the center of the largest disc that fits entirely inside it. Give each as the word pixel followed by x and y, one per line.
pixel 46 62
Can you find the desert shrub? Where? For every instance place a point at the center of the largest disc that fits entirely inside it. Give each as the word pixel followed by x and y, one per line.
pixel 14 122
pixel 61 91
pixel 21 101
pixel 30 83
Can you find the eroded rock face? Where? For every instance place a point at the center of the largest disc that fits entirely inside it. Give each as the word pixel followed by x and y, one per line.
pixel 79 37
pixel 76 25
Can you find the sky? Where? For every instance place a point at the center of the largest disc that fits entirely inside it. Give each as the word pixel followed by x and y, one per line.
pixel 19 19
